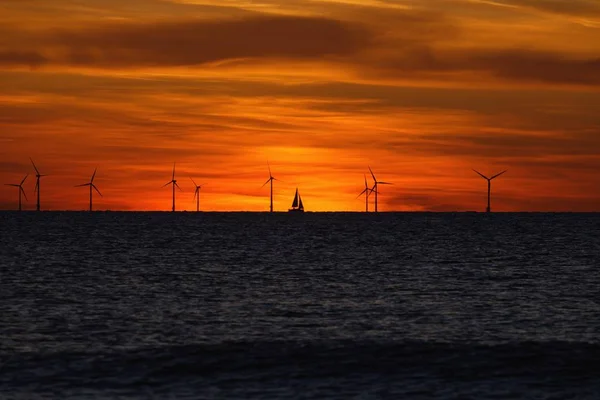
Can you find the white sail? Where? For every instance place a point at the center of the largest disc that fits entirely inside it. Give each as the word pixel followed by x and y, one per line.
pixel 300 206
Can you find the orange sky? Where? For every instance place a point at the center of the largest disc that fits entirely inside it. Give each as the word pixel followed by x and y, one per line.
pixel 422 91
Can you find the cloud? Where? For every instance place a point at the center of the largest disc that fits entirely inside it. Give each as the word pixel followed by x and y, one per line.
pixel 538 66
pixel 65 12
pixel 420 45
pixel 509 64
pixel 571 7
pixel 184 43
pixel 17 58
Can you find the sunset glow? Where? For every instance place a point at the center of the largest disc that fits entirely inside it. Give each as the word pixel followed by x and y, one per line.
pixel 420 91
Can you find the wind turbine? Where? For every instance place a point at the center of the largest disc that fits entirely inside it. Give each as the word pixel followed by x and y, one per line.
pixel 21 191
pixel 271 179
pixel 367 191
pixel 489 181
pixel 197 195
pixel 37 185
pixel 376 186
pixel 92 186
pixel 174 183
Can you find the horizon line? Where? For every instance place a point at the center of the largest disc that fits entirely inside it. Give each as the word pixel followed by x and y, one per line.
pixel 33 211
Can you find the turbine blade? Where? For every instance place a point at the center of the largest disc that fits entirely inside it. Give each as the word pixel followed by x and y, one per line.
pixel 166 184
pixel 384 183
pixel 269 166
pixel 177 186
pixel 372 174
pixel 268 180
pixel 173 170
pixel 482 175
pixel 85 184
pixel 11 184
pixel 195 194
pixel 497 175
pixel 34 167
pixel 23 191
pixel 37 184
pixel 193 182
pixel 361 193
pixel 94 175
pixel 366 184
pixel 94 186
pixel 23 181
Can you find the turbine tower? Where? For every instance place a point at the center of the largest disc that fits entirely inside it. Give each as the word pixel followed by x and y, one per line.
pixel 270 180
pixel 376 187
pixel 367 191
pixel 92 186
pixel 197 195
pixel 37 185
pixel 173 182
pixel 489 181
pixel 21 191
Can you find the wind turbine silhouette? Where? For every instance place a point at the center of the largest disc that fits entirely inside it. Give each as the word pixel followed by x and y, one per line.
pixel 197 195
pixel 271 179
pixel 92 186
pixel 21 191
pixel 37 184
pixel 367 191
pixel 489 181
pixel 174 183
pixel 376 186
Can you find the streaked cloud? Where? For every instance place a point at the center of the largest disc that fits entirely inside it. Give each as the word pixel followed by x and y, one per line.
pixel 587 8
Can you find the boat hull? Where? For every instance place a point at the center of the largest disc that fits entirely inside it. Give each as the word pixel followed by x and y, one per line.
pixel 296 210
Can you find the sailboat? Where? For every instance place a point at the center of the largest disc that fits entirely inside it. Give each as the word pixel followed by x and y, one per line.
pixel 297 205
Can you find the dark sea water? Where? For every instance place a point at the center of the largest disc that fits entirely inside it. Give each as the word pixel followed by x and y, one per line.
pixel 314 306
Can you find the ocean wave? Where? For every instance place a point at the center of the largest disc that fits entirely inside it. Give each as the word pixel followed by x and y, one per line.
pixel 264 368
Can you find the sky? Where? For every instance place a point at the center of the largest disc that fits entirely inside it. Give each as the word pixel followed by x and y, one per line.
pixel 420 91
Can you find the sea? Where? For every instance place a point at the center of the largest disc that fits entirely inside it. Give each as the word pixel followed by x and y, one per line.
pixel 126 305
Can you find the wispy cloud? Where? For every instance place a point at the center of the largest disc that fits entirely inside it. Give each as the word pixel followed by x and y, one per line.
pixel 180 43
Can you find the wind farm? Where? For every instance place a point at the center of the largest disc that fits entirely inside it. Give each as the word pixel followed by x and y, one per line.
pixel 21 191
pixel 270 180
pixel 375 188
pixel 37 185
pixel 173 182
pixel 368 190
pixel 197 194
pixel 489 188
pixel 92 187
